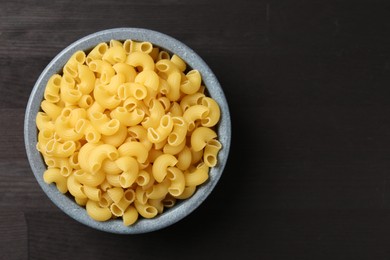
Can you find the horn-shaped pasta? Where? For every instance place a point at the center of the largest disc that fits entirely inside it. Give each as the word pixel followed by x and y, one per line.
pixel 178 134
pixel 134 149
pixel 52 91
pixel 200 137
pixel 173 81
pixel 97 52
pixel 53 175
pixel 130 216
pixel 162 131
pixel 96 212
pixel 103 124
pixel 104 68
pixel 159 190
pixel 149 79
pixel 161 164
pixel 126 70
pixel 140 59
pixel 75 187
pixel 87 79
pixel 192 84
pixel 132 89
pixel 92 193
pixel 115 54
pixel 99 154
pixel 214 112
pixel 210 152
pixel 89 179
pixel 50 109
pixel 145 210
pixel 180 64
pixel 176 176
pixel 193 113
pixel 197 176
pixel 128 118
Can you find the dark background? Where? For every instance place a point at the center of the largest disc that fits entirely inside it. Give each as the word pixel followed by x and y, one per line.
pixel 308 85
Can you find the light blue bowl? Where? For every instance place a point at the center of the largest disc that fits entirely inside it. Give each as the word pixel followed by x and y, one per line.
pixel 182 208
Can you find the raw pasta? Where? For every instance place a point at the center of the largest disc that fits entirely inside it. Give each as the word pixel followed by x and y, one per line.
pixel 127 130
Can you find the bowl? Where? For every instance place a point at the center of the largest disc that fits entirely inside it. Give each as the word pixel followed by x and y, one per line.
pixel 67 203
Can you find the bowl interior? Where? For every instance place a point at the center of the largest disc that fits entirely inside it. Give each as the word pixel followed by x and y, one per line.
pixel 182 208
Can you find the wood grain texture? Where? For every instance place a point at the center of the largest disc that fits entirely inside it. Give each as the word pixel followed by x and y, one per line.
pixel 308 88
pixel 13 239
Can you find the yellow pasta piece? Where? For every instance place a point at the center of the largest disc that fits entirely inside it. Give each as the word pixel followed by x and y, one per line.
pixel 200 137
pixel 210 152
pixel 103 124
pixel 128 118
pixel 52 90
pixel 180 64
pixel 159 190
pixel 87 79
pixel 130 216
pixel 89 179
pixel 71 66
pixel 172 149
pixel 173 80
pixel 148 78
pixel 126 70
pixel 99 154
pixel 134 149
pixel 116 194
pixel 140 59
pixel 132 89
pixel 156 111
pixel 187 193
pixel 50 109
pixel 162 131
pixel 191 100
pixel 54 175
pixel 177 185
pixel 145 210
pixel 179 132
pixel 161 164
pixel 184 159
pixel 96 212
pixel 115 54
pixel 75 187
pixel 92 193
pixel 193 113
pixel 197 176
pixel 163 55
pixel 103 68
pixel 97 52
pixel 116 139
pixel 44 121
pixel 214 112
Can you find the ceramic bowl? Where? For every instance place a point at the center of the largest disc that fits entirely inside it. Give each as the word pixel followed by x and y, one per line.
pixel 67 203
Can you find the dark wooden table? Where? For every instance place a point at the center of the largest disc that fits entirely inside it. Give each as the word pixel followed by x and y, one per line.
pixel 308 84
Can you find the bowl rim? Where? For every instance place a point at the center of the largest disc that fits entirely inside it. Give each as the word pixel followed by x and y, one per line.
pixel 180 210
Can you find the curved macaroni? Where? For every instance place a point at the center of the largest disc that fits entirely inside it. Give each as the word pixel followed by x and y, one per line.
pixel 198 176
pixel 53 175
pixel 193 113
pixel 134 149
pixel 200 137
pixel 161 164
pixel 140 59
pixel 96 212
pixel 176 176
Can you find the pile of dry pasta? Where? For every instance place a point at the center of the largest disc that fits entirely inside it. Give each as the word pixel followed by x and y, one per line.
pixel 127 130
